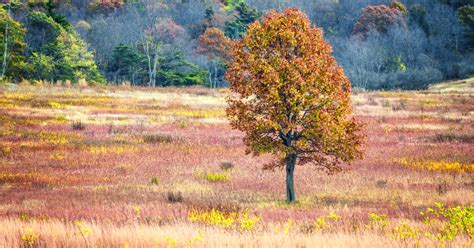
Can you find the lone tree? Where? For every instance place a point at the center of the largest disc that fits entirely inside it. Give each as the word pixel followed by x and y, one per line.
pixel 290 98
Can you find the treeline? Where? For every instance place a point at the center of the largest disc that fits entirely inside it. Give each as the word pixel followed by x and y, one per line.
pixel 40 44
pixel 380 43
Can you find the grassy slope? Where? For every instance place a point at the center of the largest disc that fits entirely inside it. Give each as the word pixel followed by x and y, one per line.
pixel 461 86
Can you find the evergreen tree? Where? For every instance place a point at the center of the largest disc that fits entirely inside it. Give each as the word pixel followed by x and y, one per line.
pixel 245 15
pixel 125 64
pixel 466 15
pixel 49 39
pixel 12 45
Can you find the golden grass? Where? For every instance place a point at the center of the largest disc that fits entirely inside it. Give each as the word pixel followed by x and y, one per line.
pixel 14 233
pixel 449 166
pixel 113 149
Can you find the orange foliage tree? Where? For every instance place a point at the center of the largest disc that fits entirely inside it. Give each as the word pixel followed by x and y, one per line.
pixel 379 18
pixel 290 98
pixel 216 46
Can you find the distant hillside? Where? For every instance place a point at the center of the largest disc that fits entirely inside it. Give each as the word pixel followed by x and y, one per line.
pixel 389 44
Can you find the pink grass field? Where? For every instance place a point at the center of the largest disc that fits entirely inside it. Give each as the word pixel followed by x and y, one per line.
pixel 126 167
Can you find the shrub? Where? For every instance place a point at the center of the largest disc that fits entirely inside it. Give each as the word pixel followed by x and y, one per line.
pixel 386 104
pixel 377 222
pixel 404 232
pixel 452 137
pixel 213 217
pixel 78 125
pixel 214 202
pixel 402 105
pixel 29 238
pixel 155 180
pixel 225 219
pixel 449 222
pixel 55 105
pixel 157 138
pixel 214 177
pixel 381 183
pixel 82 229
pixel 226 166
pixel 124 168
pixel 442 188
pixel 246 223
pixel 175 196
pixel 39 103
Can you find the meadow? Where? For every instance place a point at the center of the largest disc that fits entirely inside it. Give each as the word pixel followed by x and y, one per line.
pixel 120 166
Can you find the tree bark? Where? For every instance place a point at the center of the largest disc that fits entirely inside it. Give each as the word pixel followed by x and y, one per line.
pixel 5 50
pixel 151 51
pixel 155 64
pixel 290 183
pixel 148 55
pixel 210 75
pixel 215 74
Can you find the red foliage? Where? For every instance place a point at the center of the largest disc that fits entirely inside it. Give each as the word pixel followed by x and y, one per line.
pixel 165 30
pixel 214 44
pixel 104 6
pixel 378 18
pixel 110 3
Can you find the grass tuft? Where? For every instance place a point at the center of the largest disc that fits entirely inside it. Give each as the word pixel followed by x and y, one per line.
pixel 175 196
pixel 155 180
pixel 78 125
pixel 157 138
pixel 226 166
pixel 215 177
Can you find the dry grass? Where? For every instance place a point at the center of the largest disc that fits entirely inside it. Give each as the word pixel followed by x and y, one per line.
pixel 53 174
pixel 463 86
pixel 82 234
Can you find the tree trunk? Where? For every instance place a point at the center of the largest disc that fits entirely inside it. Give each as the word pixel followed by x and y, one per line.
pixel 148 55
pixel 290 183
pixel 215 74
pixel 5 50
pixel 210 76
pixel 155 64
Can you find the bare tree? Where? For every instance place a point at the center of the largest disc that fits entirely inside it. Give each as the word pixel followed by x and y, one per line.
pixel 5 42
pixel 151 48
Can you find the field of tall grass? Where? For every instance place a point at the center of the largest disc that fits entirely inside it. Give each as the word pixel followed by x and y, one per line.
pixel 116 166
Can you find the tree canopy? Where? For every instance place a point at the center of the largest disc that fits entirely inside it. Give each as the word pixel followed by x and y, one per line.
pixel 12 46
pixel 290 97
pixel 50 41
pixel 379 18
pixel 401 44
pixel 216 46
pixel 245 15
